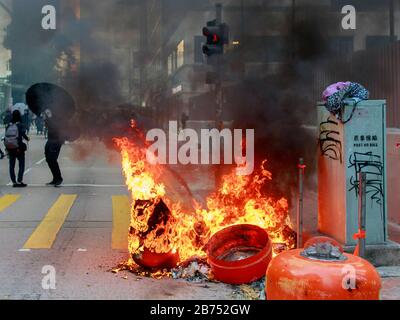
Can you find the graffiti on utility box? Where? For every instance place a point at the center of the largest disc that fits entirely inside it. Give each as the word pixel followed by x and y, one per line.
pixel 371 164
pixel 329 140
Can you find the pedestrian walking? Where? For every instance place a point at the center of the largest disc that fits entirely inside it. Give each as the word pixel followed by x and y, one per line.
pixel 16 148
pixel 26 120
pixel 53 149
pixel 39 125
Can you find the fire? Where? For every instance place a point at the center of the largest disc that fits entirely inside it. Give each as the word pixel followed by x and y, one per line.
pixel 161 225
pixel 240 200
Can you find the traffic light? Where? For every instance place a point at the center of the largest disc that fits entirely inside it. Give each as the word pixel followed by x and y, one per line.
pixel 217 35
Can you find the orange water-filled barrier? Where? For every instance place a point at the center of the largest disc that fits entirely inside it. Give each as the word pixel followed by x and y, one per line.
pixel 321 272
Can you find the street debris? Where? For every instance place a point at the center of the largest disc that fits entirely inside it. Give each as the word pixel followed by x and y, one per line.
pixel 132 267
pixel 193 270
pixel 252 291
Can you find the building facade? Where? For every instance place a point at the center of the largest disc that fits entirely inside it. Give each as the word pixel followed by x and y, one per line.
pixel 263 35
pixel 5 56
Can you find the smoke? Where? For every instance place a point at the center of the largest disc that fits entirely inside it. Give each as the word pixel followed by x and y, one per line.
pixel 114 35
pixel 274 94
pixel 279 103
pixel 33 52
pixel 97 87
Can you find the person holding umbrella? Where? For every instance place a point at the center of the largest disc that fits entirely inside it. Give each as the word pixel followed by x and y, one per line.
pixel 55 141
pixel 58 109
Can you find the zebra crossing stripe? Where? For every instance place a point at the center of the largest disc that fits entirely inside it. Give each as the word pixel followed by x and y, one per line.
pixel 121 221
pixel 8 200
pixel 45 234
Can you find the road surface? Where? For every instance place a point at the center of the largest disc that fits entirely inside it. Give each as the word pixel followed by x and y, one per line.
pixel 79 229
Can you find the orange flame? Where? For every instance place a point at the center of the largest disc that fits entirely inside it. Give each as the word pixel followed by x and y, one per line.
pixel 239 200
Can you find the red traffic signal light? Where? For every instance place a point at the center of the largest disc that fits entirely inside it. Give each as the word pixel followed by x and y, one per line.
pixel 213 35
pixel 215 42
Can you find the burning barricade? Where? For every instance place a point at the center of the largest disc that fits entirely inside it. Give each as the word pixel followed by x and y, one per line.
pixel 163 236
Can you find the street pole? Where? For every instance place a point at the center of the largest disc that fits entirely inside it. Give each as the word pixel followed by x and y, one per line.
pixel 293 25
pixel 301 168
pixel 242 42
pixel 218 87
pixel 218 7
pixel 218 93
pixel 143 50
pixel 242 21
pixel 362 211
pixel 391 20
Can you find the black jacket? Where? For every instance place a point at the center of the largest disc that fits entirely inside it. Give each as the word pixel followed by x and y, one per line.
pixel 53 133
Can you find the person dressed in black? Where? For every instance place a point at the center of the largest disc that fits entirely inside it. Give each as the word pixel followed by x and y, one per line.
pixel 39 125
pixel 52 150
pixel 19 152
pixel 26 120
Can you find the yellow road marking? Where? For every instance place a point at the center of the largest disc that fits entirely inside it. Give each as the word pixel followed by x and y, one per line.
pixel 121 220
pixel 45 234
pixel 7 201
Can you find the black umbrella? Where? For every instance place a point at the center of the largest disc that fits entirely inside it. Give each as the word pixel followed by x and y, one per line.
pixel 47 96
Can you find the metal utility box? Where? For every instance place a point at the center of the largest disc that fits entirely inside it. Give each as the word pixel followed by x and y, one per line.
pixel 345 150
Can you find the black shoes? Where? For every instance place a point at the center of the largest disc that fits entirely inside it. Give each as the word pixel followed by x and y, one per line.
pixel 58 183
pixel 54 183
pixel 19 185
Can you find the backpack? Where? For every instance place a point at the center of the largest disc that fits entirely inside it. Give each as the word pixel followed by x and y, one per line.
pixel 11 138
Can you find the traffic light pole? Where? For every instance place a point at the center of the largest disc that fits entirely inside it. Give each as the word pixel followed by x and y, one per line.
pixel 217 34
pixel 218 13
pixel 218 93
pixel 218 70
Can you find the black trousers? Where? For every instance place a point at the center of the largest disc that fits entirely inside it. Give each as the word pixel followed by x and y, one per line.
pixel 52 152
pixel 14 156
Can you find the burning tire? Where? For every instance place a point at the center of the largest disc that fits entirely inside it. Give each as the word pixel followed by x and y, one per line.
pixel 151 260
pixel 239 254
pixel 158 216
